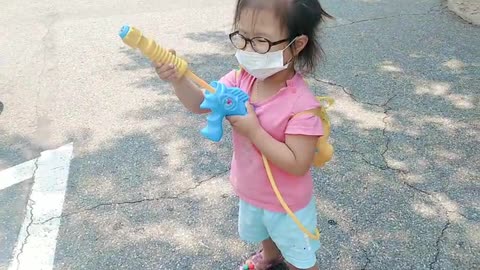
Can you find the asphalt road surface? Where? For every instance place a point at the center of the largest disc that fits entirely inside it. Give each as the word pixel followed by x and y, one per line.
pixel 143 190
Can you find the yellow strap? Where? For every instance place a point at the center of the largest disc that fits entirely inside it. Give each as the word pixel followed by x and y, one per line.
pixel 315 236
pixel 329 100
pixel 311 111
pixel 321 99
pixel 319 111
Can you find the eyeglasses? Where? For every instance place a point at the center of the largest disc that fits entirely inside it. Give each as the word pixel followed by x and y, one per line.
pixel 258 44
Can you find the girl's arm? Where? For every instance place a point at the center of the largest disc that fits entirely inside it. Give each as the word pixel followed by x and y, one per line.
pixel 189 94
pixel 295 156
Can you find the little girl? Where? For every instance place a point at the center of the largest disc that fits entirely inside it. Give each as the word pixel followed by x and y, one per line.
pixel 276 44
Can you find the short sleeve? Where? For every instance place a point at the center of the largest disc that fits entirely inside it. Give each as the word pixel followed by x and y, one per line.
pixel 305 124
pixel 229 79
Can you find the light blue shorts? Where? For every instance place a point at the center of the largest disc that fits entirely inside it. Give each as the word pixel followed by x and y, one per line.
pixel 256 224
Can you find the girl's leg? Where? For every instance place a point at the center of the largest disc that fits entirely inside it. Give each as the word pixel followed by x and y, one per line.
pixel 252 229
pixel 267 257
pixel 270 250
pixel 296 247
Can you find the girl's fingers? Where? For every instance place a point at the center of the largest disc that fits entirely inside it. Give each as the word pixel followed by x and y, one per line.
pixel 169 72
pixel 166 67
pixel 162 69
pixel 166 72
pixel 157 64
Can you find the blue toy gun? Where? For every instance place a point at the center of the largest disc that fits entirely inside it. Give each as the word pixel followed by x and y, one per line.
pixel 225 101
pixel 221 100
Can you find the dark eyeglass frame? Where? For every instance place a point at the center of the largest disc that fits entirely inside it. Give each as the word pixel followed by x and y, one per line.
pixel 249 40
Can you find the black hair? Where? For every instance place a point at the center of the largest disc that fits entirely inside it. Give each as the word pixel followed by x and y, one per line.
pixel 300 17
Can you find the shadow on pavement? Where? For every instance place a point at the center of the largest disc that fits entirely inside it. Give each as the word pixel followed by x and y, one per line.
pixel 153 198
pixel 17 149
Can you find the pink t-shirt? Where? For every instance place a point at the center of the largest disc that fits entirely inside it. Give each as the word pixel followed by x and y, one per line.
pixel 248 176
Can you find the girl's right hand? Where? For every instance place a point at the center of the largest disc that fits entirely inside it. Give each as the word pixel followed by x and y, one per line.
pixel 167 72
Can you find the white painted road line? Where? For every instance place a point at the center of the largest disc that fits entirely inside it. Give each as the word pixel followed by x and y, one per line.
pixel 17 174
pixel 36 243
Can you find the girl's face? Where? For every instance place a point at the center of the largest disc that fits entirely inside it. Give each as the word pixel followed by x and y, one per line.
pixel 264 26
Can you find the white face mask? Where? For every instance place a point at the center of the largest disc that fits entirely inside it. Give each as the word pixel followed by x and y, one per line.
pixel 262 66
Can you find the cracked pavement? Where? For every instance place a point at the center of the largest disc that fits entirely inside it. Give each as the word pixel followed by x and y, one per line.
pixel 147 192
pixel 30 206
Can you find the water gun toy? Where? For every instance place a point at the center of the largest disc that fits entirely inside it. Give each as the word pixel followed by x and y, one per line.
pixel 220 100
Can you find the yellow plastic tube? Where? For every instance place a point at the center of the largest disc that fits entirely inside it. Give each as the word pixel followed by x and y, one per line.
pixel 136 40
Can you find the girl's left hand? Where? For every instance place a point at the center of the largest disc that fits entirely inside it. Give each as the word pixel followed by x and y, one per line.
pixel 247 124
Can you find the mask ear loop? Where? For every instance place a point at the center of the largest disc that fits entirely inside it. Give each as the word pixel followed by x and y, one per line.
pixel 291 50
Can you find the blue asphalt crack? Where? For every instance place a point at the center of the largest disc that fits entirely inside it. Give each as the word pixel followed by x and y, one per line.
pixel 438 243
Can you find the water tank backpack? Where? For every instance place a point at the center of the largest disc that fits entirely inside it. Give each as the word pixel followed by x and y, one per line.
pixel 323 154
pixel 324 150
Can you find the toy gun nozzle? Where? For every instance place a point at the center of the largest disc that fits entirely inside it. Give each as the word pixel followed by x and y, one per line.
pixel 124 31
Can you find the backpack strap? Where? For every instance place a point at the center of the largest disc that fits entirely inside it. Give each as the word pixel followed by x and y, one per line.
pixel 238 74
pixel 316 234
pixel 321 110
pixel 313 111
